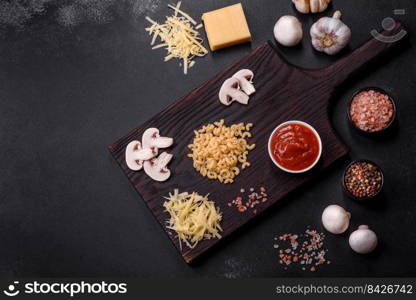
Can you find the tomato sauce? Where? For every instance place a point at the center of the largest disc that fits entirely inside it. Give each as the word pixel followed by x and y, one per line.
pixel 295 147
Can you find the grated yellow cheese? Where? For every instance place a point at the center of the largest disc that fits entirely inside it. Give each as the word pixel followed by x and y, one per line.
pixel 193 217
pixel 179 36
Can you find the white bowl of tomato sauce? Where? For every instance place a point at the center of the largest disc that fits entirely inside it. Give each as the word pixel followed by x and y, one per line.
pixel 295 146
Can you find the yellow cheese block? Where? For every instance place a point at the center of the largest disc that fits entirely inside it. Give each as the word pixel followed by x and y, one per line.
pixel 226 27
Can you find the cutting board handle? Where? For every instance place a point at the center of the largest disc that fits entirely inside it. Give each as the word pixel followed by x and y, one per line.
pixel 377 47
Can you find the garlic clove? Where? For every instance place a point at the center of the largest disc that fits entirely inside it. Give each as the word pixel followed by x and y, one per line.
pixel 336 219
pixel 314 6
pixel 311 6
pixel 363 240
pixel 302 6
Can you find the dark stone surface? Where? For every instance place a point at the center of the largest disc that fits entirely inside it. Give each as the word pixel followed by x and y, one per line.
pixel 71 86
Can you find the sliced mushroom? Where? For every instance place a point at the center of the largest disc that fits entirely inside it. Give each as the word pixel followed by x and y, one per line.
pixel 145 153
pixel 135 155
pixel 245 77
pixel 230 92
pixel 152 139
pixel 156 168
pixel 132 161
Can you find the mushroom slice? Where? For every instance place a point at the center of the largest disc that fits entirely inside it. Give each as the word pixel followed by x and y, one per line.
pixel 145 153
pixel 152 139
pixel 156 168
pixel 245 77
pixel 230 92
pixel 133 162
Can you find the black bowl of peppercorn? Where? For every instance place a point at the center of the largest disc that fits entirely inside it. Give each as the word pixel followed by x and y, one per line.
pixel 363 180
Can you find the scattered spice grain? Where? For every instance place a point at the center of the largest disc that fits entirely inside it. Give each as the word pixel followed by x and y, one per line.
pixel 249 200
pixel 305 249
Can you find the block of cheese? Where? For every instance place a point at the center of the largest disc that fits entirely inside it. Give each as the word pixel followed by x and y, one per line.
pixel 226 27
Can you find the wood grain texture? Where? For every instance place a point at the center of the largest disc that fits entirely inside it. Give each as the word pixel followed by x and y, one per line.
pixel 284 92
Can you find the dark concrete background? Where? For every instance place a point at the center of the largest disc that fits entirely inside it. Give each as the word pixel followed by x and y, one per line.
pixel 77 75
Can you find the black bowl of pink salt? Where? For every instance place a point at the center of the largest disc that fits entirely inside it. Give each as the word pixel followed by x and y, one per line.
pixel 363 180
pixel 371 110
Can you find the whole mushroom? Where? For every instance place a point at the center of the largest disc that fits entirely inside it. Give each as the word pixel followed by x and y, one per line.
pixel 156 168
pixel 363 240
pixel 336 219
pixel 288 31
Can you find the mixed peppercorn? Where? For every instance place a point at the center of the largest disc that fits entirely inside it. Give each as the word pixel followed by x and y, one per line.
pixel 363 179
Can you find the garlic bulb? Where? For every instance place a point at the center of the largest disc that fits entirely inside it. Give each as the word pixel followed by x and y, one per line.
pixel 336 219
pixel 330 35
pixel 363 240
pixel 311 6
pixel 288 31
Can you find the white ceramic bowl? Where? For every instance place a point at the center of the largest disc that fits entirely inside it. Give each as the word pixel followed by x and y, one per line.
pixel 306 125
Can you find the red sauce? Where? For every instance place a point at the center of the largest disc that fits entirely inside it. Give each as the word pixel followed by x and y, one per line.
pixel 295 147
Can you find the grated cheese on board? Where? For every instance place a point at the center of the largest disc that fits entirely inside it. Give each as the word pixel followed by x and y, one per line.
pixel 179 36
pixel 193 217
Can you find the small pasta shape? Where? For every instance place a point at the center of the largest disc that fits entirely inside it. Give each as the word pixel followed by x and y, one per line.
pixel 251 147
pixel 245 165
pixel 211 175
pixel 218 150
pixel 236 171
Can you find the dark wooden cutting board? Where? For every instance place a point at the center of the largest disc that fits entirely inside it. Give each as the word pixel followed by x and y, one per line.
pixel 284 92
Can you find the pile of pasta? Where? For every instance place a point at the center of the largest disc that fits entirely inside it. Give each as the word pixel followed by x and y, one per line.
pixel 219 151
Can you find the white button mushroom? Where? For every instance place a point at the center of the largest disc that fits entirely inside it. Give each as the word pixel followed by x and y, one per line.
pixel 156 168
pixel 288 31
pixel 245 78
pixel 230 92
pixel 363 240
pixel 152 139
pixel 336 219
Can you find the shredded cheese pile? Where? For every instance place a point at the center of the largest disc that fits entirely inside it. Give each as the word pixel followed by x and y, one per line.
pixel 193 217
pixel 217 150
pixel 179 36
